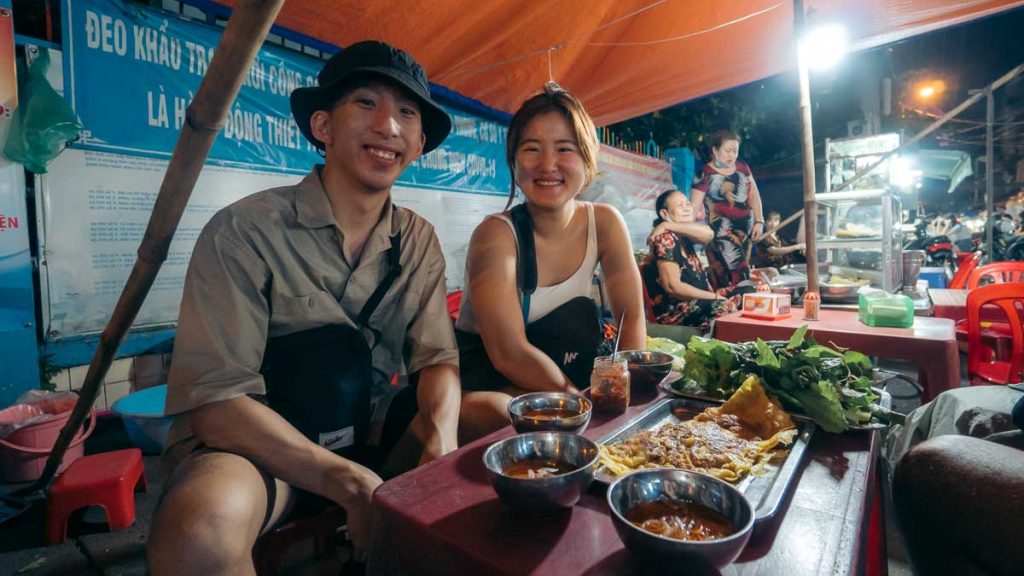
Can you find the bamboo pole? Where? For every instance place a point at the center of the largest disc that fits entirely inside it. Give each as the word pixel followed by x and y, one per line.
pixel 810 204
pixel 246 29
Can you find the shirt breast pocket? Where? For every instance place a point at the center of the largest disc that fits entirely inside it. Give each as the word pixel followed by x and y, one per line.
pixel 296 313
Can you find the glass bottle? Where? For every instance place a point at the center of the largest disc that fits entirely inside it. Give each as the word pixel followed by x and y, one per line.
pixel 609 384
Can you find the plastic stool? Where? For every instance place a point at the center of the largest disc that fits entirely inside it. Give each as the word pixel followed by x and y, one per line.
pixel 321 528
pixel 108 480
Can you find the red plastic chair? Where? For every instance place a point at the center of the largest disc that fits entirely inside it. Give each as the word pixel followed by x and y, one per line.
pixel 997 273
pixel 108 480
pixel 963 272
pixel 454 302
pixel 981 366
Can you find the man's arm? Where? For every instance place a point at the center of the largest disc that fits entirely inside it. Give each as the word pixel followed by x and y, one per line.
pixel 432 353
pixel 438 397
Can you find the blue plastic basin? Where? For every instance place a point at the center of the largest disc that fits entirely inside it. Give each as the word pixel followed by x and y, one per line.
pixel 144 420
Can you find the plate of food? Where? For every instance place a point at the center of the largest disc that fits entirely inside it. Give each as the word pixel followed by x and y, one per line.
pixel 749 441
pixel 831 386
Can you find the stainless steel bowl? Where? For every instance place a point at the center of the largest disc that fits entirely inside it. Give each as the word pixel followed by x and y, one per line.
pixel 542 494
pixel 838 292
pixel 682 485
pixel 646 368
pixel 521 405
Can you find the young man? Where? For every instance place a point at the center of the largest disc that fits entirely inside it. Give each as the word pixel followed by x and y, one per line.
pixel 299 306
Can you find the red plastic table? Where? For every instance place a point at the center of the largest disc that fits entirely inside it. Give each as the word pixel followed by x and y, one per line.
pixel 952 304
pixel 444 518
pixel 930 343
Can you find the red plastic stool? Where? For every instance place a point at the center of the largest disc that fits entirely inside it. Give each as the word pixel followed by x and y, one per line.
pixel 321 527
pixel 108 480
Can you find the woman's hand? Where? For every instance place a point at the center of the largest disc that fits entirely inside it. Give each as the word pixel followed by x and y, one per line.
pixel 658 231
pixel 757 232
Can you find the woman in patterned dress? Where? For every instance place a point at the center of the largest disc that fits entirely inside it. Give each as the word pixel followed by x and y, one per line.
pixel 727 193
pixel 673 275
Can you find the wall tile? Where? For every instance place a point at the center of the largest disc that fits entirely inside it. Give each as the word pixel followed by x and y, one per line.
pixel 117 390
pixel 77 376
pixel 120 371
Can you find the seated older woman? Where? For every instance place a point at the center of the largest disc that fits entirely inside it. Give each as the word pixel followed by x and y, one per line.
pixel 673 276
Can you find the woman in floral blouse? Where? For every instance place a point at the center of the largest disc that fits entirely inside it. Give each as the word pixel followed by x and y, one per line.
pixel 673 276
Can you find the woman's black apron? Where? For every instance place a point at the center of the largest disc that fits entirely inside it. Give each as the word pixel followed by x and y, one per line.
pixel 569 335
pixel 320 380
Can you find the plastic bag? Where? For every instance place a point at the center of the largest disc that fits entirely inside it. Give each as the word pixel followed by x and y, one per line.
pixel 35 407
pixel 43 124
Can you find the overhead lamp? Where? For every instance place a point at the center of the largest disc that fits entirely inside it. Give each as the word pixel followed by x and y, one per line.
pixel 824 46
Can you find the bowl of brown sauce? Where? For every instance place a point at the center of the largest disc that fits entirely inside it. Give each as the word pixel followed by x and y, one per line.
pixel 549 411
pixel 541 471
pixel 672 516
pixel 646 368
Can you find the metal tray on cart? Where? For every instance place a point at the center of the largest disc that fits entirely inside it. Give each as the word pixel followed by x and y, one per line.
pixel 765 492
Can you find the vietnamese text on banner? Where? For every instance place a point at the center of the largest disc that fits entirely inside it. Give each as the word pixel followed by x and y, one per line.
pixel 132 71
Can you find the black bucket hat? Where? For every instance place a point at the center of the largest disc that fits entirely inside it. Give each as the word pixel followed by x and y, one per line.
pixel 375 59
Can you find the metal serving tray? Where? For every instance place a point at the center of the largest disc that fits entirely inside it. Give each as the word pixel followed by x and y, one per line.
pixel 765 492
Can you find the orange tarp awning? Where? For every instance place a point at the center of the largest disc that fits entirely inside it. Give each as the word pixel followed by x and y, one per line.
pixel 623 58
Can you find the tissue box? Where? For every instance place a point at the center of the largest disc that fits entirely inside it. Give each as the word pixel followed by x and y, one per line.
pixel 766 305
pixel 877 308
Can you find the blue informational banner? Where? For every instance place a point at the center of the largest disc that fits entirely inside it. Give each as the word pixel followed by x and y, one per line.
pixel 130 73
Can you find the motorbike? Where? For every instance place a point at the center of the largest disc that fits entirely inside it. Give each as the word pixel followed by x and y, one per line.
pixel 1005 246
pixel 939 250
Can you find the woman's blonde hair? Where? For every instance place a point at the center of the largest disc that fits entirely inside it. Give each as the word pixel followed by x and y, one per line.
pixel 553 99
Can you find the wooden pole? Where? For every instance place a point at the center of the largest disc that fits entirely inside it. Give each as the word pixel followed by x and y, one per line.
pixel 810 205
pixel 246 29
pixel 807 149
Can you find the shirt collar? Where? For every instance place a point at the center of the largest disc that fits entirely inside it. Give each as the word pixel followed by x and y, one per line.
pixel 313 210
pixel 312 207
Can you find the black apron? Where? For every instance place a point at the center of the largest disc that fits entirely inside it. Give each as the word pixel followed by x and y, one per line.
pixel 320 380
pixel 569 335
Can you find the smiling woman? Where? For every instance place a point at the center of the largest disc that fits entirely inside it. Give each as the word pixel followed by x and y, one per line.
pixel 527 321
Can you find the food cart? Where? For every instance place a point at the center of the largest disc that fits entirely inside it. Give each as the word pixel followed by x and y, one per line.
pixel 861 228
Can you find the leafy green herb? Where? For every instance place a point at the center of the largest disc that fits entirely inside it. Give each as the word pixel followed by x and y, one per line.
pixel 832 387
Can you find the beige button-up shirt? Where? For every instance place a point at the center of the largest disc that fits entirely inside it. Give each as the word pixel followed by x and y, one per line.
pixel 272 264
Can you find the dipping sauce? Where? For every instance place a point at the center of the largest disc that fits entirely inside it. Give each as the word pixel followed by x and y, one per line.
pixel 533 469
pixel 680 520
pixel 550 413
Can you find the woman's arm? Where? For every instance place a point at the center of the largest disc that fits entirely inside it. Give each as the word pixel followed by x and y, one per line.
pixel 755 208
pixel 696 231
pixel 783 250
pixel 697 199
pixel 491 264
pixel 622 277
pixel 668 277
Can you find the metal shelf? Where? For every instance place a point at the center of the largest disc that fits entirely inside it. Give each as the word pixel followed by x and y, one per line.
pixel 874 243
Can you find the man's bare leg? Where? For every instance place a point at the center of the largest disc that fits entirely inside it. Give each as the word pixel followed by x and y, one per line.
pixel 210 516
